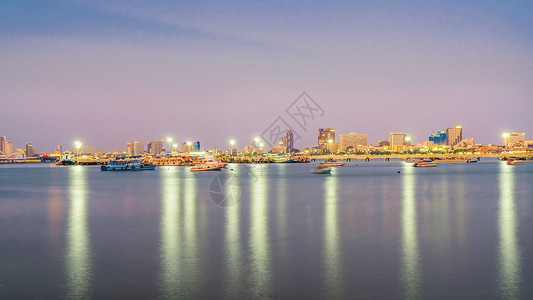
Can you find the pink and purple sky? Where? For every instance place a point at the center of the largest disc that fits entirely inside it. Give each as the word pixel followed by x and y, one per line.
pixel 112 72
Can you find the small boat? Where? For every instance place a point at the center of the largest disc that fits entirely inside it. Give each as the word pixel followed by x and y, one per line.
pixel 425 164
pixel 471 160
pixel 67 159
pixel 208 164
pixel 127 165
pixel 333 163
pixel 513 162
pixel 321 169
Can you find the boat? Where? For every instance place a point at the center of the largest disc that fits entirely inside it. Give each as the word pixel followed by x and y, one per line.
pixel 425 164
pixel 471 160
pixel 127 165
pixel 513 162
pixel 208 164
pixel 321 169
pixel 333 163
pixel 49 159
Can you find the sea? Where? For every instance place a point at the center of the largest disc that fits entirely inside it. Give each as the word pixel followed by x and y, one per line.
pixel 369 230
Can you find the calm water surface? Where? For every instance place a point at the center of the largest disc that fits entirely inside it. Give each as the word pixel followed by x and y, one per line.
pixel 462 231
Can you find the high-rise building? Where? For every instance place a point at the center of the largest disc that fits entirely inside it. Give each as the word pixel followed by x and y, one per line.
pixel 326 135
pixel 454 136
pixel 59 149
pixel 6 147
pixel 196 146
pixel 129 149
pixel 397 139
pixel 98 151
pixel 438 138
pixel 511 138
pixel 288 141
pixel 249 149
pixel 353 140
pixel 138 148
pixel 186 147
pixel 30 152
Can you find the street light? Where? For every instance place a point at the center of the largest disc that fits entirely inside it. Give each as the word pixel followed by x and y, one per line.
pixel 169 140
pixel 175 146
pixel 232 142
pixel 78 145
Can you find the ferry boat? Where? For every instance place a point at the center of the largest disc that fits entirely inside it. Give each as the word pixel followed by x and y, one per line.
pixel 425 164
pixel 127 165
pixel 208 164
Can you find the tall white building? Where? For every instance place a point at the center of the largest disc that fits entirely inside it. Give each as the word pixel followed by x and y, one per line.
pixel 511 138
pixel 138 148
pixel 396 139
pixel 353 140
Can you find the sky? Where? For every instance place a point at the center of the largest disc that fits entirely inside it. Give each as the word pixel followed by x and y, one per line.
pixel 112 72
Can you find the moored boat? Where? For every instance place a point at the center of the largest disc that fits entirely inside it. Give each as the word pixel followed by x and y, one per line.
pixel 333 163
pixel 208 164
pixel 513 162
pixel 127 165
pixel 425 164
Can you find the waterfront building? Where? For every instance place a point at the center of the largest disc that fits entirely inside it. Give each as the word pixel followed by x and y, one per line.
pixel 196 146
pixel 186 147
pixel 89 150
pixel 129 149
pixel 232 151
pixel 333 147
pixel 326 135
pixel 353 140
pixel 438 138
pixel 59 149
pixel 384 143
pixel 454 136
pixel 30 152
pixel 397 139
pixel 6 146
pixel 249 149
pixel 288 141
pixel 98 151
pixel 138 148
pixel 512 138
pixel 278 149
pixel 217 151
pixel 155 148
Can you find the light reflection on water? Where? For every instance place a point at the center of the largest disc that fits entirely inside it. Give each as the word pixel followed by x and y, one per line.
pixel 171 264
pixel 78 247
pixel 509 251
pixel 366 231
pixel 411 257
pixel 260 256
pixel 333 272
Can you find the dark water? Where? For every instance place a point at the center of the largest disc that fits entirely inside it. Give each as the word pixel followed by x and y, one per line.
pixel 462 231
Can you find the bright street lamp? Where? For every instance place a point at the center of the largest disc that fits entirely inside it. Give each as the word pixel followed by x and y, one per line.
pixel 169 140
pixel 78 145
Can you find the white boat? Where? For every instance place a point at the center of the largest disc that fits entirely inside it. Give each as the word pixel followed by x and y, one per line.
pixel 127 165
pixel 425 164
pixel 513 162
pixel 208 164
pixel 333 163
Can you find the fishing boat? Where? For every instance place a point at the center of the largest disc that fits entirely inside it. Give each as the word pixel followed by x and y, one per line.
pixel 208 164
pixel 513 162
pixel 425 164
pixel 471 160
pixel 333 163
pixel 321 169
pixel 127 165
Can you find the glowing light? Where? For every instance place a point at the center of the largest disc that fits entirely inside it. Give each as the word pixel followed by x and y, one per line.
pixel 189 143
pixel 505 135
pixel 261 145
pixel 77 144
pixel 175 145
pixel 257 139
pixel 407 138
pixel 330 141
pixel 232 142
pixel 169 139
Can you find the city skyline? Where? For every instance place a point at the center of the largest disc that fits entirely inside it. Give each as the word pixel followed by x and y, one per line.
pixel 111 74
